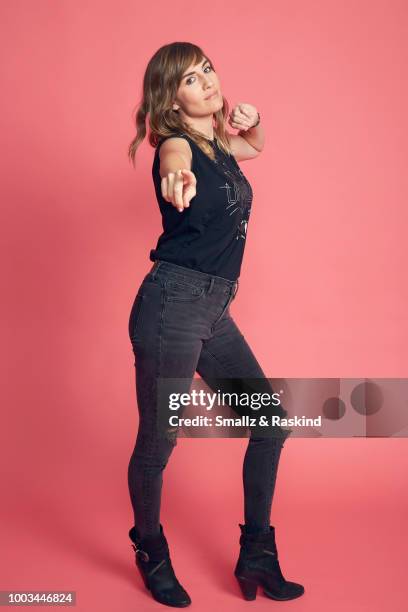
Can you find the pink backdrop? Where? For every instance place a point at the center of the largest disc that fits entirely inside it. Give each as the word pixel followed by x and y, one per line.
pixel 323 292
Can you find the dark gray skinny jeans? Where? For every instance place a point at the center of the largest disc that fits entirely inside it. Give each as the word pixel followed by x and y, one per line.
pixel 180 323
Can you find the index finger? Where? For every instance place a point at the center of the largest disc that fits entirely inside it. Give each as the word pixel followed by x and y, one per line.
pixel 178 190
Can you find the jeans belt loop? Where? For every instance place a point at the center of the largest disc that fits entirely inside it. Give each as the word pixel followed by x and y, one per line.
pixel 156 266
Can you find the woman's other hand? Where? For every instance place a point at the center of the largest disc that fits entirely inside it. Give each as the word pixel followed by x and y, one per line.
pixel 243 117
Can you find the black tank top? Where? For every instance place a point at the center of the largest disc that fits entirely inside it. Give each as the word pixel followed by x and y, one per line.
pixel 210 234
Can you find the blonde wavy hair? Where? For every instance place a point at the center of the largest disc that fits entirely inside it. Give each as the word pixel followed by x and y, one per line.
pixel 161 81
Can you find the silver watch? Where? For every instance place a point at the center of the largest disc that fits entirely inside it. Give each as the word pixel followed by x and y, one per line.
pixel 257 123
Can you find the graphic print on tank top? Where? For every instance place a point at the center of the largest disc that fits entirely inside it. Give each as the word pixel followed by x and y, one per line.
pixel 238 191
pixel 239 198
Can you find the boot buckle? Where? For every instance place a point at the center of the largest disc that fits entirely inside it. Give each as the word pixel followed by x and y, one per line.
pixel 142 553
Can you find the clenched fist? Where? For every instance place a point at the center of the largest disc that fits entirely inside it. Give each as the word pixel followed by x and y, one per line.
pixel 178 188
pixel 243 116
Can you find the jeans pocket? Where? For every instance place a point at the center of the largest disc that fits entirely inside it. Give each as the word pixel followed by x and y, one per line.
pixel 182 291
pixel 135 318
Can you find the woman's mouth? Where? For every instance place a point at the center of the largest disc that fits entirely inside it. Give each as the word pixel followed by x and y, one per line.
pixel 211 96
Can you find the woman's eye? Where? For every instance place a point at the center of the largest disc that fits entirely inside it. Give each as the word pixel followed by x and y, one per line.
pixel 188 82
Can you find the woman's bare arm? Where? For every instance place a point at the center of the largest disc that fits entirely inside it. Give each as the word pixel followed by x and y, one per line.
pixel 247 145
pixel 250 140
pixel 175 154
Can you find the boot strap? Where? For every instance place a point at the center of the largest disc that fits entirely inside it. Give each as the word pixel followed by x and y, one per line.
pixel 258 548
pixel 156 568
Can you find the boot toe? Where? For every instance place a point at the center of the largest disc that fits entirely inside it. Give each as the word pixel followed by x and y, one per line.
pixel 290 590
pixel 176 598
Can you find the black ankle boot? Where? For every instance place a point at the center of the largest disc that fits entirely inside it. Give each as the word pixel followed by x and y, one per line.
pixel 258 565
pixel 154 563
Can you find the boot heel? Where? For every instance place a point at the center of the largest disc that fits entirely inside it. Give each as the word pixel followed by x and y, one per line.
pixel 248 588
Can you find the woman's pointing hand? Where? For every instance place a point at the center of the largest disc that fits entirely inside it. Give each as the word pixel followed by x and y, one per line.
pixel 178 188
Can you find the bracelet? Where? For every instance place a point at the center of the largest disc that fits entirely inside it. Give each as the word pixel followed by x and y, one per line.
pixel 257 123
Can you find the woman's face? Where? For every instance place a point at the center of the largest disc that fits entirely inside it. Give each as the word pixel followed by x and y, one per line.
pixel 198 83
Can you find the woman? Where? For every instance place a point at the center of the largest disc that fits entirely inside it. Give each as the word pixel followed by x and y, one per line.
pixel 180 320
